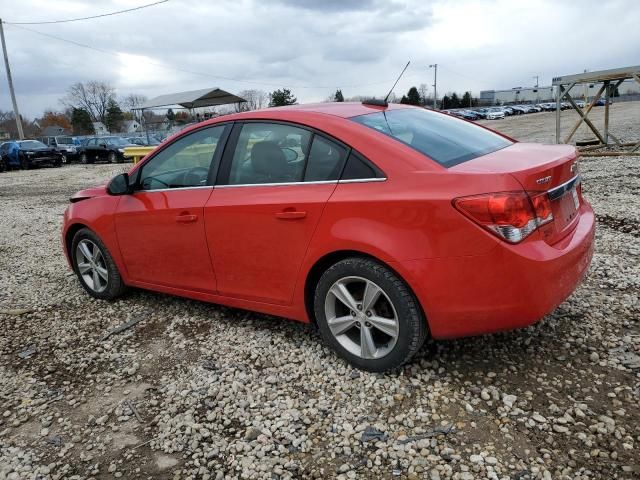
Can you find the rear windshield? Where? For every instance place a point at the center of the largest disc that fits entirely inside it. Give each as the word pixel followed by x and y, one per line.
pixel 445 139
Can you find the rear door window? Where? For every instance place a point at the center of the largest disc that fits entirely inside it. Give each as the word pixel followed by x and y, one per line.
pixel 443 138
pixel 326 159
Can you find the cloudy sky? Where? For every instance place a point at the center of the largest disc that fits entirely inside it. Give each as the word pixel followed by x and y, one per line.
pixel 310 46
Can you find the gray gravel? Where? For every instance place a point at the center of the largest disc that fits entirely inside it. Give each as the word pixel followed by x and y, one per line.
pixel 201 391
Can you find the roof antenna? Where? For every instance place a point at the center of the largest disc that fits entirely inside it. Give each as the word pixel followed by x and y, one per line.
pixel 384 103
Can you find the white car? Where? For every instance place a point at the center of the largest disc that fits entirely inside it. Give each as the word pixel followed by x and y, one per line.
pixel 495 113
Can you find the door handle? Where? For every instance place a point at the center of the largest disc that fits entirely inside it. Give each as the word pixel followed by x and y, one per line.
pixel 186 218
pixel 290 215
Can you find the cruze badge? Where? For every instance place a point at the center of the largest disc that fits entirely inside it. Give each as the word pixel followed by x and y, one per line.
pixel 543 180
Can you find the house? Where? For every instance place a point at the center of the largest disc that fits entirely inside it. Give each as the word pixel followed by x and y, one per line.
pixel 131 126
pixel 54 130
pixel 99 128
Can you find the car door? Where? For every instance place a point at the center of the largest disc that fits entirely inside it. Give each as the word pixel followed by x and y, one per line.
pixel 90 149
pixel 160 227
pixel 274 182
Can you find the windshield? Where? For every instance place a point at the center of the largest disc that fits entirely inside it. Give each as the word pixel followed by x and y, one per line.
pixel 64 140
pixel 117 141
pixel 445 139
pixel 27 144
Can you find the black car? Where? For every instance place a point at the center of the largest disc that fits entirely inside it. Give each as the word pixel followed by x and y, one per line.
pixel 104 149
pixel 27 154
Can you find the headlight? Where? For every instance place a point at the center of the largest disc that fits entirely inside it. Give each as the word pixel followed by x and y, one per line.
pixel 121 150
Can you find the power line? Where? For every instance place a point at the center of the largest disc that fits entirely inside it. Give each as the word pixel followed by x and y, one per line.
pixel 192 72
pixel 89 18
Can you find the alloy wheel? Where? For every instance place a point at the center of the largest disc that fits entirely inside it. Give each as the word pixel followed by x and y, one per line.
pixel 92 266
pixel 361 317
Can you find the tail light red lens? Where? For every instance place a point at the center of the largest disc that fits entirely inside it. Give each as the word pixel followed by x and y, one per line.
pixel 512 216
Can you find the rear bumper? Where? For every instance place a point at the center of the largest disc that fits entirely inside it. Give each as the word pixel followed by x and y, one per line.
pixel 510 287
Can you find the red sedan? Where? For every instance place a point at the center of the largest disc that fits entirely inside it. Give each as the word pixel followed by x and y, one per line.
pixel 380 224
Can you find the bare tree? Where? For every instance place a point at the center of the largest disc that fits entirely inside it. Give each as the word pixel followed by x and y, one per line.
pixel 131 101
pixel 255 100
pixel 93 96
pixel 423 90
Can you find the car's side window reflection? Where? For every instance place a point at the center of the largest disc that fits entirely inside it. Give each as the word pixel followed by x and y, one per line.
pixel 184 163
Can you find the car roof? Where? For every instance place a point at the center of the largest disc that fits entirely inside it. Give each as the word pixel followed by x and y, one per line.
pixel 338 109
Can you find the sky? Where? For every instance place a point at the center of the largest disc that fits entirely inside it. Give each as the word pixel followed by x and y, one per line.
pixel 312 47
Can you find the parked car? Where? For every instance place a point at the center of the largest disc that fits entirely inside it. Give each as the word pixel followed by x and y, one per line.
pixel 518 109
pixel 479 113
pixel 27 154
pixel 143 141
pixel 495 113
pixel 507 110
pixel 104 149
pixel 63 144
pixel 469 115
pixel 382 225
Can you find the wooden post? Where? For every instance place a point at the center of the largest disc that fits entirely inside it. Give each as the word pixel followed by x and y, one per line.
pixel 607 91
pixel 10 81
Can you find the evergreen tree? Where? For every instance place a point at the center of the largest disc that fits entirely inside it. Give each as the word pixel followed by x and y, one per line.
pixel 455 101
pixel 81 122
pixel 338 97
pixel 114 117
pixel 280 98
pixel 413 97
pixel 446 102
pixel 466 101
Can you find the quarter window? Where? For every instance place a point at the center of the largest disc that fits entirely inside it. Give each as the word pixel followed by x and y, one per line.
pixel 269 153
pixel 357 168
pixel 184 163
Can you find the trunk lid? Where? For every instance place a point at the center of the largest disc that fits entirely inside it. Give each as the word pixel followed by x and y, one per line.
pixel 539 168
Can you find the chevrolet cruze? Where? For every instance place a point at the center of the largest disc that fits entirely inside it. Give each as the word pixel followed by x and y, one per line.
pixel 381 224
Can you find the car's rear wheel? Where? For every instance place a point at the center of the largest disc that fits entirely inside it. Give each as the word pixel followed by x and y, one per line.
pixel 368 315
pixel 95 267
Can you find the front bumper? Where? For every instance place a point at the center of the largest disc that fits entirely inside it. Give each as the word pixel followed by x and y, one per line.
pixel 512 286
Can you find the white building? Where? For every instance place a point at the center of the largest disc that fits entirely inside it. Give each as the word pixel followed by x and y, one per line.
pixel 99 128
pixel 548 94
pixel 131 126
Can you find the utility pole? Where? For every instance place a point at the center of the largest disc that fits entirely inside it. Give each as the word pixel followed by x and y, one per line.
pixel 536 77
pixel 435 83
pixel 10 81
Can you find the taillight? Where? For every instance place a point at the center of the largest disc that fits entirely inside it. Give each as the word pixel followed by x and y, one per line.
pixel 512 216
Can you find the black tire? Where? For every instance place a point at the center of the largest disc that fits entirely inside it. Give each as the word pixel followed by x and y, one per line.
pixel 112 157
pixel 25 164
pixel 84 159
pixel 115 287
pixel 411 324
pixel 3 165
pixel 57 164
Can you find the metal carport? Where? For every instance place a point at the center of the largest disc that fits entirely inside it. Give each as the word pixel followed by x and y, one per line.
pixel 610 80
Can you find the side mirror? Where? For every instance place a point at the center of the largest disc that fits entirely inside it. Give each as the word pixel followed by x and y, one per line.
pixel 119 185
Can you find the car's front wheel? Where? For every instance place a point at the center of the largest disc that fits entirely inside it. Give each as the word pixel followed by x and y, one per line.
pixel 83 158
pixel 112 158
pixel 368 315
pixel 95 267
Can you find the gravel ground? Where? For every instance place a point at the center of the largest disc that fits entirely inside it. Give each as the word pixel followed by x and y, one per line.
pixel 201 391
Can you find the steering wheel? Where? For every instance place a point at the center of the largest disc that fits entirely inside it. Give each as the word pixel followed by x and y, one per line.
pixel 192 178
pixel 290 154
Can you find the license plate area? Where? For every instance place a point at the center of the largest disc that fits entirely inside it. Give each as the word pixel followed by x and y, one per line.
pixel 565 208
